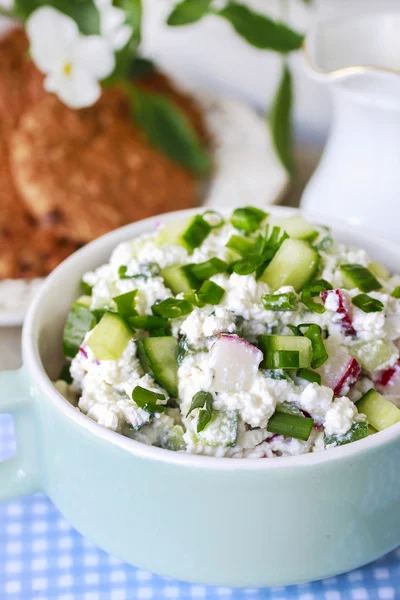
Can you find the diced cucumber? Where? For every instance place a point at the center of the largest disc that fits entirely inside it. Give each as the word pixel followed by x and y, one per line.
pixel 380 412
pixel 159 357
pixel 357 276
pixel 358 431
pixel 85 301
pixel 172 232
pixel 379 270
pixel 109 338
pixel 80 320
pixel 273 345
pixel 297 227
pixel 178 279
pixel 373 356
pixel 222 430
pixel 294 264
pixel 173 439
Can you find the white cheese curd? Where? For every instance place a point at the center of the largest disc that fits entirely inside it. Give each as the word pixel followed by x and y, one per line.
pixel 212 370
pixel 340 417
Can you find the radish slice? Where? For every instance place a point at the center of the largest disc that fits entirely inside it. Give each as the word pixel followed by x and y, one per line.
pixel 388 381
pixel 235 362
pixel 341 371
pixel 335 298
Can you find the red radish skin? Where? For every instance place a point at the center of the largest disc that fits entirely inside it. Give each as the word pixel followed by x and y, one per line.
pixel 342 310
pixel 235 363
pixel 83 351
pixel 341 371
pixel 388 381
pixel 349 379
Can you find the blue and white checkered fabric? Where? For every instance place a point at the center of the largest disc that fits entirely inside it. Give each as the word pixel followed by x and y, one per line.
pixel 43 558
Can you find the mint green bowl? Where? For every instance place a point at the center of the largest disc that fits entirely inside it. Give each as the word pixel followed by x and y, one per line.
pixel 214 521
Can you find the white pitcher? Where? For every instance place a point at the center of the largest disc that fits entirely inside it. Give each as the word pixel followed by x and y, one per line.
pixel 358 177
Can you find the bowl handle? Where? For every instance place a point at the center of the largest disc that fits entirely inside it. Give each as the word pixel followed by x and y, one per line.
pixel 19 475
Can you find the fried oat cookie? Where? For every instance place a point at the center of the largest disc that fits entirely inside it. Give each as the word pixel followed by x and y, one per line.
pixel 26 251
pixel 21 84
pixel 89 171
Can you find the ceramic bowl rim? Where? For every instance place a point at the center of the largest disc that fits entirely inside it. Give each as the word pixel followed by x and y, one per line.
pixel 33 364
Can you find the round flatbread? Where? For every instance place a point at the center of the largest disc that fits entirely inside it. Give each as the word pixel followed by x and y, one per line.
pixel 89 171
pixel 21 84
pixel 26 250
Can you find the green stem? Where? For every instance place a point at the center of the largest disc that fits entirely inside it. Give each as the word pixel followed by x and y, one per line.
pixel 5 12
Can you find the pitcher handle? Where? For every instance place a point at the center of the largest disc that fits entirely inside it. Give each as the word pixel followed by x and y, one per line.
pixel 19 475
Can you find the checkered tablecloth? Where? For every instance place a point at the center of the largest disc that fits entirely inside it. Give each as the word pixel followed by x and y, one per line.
pixel 43 558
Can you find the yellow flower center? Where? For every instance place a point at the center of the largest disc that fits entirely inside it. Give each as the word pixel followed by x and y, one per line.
pixel 67 69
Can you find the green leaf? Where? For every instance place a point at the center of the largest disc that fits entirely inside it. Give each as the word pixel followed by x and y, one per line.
pixel 188 12
pixel 357 432
pixel 168 128
pixel 280 120
pixel 125 58
pixel 199 400
pixel 84 12
pixel 259 30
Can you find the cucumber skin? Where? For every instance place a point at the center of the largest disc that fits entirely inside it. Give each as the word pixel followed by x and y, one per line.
pixel 150 366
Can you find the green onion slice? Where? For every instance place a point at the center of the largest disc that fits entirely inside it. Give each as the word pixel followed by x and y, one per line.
pixel 126 304
pixel 396 292
pixel 197 232
pixel 309 375
pixel 172 308
pixel 214 219
pixel 290 425
pixel 86 288
pixel 148 322
pixel 283 359
pixel 367 304
pixel 278 302
pixel 207 269
pixel 357 276
pixel 247 265
pixel 248 219
pixel 312 290
pixel 241 245
pixel 147 400
pixel 210 293
pixel 152 270
pixel 320 355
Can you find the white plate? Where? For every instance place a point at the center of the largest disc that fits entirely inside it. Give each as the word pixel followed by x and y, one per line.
pixel 247 171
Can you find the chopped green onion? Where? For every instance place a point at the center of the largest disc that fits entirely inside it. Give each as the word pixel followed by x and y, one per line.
pixel 248 219
pixel 210 293
pixel 357 276
pixel 196 233
pixel 147 400
pixel 86 288
pixel 241 245
pixel 148 322
pixel 172 308
pixel 152 270
pixel 65 374
pixel 214 219
pixel 290 425
pixel 193 298
pixel 247 265
pixel 309 375
pixel 80 320
pixel 283 359
pixel 313 289
pixel 319 353
pixel 126 304
pixel 367 304
pixel 199 400
pixel 183 349
pixel 207 269
pixel 396 292
pixel 277 302
pixel 357 432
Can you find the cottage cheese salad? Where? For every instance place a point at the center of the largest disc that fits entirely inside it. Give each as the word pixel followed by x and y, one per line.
pixel 245 337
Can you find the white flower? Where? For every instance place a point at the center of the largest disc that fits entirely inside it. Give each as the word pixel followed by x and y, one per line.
pixel 112 24
pixel 73 63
